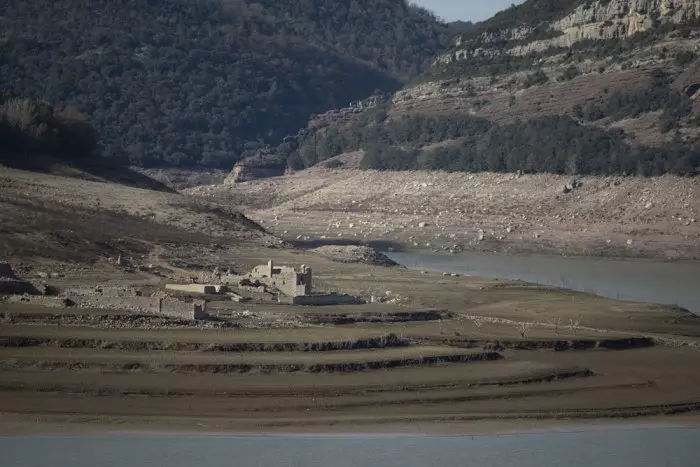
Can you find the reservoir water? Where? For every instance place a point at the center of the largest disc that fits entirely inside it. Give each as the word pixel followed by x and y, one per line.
pixel 639 447
pixel 669 283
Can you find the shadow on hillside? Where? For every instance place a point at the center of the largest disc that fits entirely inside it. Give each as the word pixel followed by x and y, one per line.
pixel 100 170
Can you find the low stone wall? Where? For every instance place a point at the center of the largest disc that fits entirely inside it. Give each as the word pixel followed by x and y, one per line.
pixel 320 300
pixel 39 300
pixel 170 307
pixel 196 288
pixel 134 304
pixel 182 310
pixel 88 298
pixel 101 291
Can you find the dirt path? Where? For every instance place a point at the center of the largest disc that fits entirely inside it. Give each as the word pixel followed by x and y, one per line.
pixel 155 257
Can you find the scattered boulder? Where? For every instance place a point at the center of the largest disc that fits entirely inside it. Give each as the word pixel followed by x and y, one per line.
pixel 572 185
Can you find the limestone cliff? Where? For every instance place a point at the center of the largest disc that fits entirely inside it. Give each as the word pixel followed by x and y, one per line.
pixel 586 20
pixel 544 58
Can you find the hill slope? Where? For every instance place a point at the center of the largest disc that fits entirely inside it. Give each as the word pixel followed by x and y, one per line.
pixel 576 86
pixel 187 82
pixel 71 220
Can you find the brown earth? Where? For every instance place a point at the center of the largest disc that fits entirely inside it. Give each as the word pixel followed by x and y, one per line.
pixel 443 354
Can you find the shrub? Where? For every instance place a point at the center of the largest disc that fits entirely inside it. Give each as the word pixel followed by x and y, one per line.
pixel 569 73
pixel 534 79
pixel 685 57
pixel 333 164
pixel 28 126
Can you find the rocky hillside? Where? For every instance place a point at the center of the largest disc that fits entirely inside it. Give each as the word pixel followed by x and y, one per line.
pixel 584 59
pixel 566 86
pixel 205 82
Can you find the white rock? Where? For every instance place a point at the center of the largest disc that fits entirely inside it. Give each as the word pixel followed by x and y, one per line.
pixel 630 242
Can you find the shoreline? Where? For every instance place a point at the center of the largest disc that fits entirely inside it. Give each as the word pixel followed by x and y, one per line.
pixel 526 254
pixel 492 428
pixel 569 274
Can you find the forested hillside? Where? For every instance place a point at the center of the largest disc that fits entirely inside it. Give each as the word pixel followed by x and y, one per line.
pixel 203 82
pixel 559 86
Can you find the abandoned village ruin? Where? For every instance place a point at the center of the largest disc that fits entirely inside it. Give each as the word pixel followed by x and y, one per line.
pixel 287 280
pixel 286 284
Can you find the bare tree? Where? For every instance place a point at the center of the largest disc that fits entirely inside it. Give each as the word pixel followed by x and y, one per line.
pixel 573 326
pixel 523 328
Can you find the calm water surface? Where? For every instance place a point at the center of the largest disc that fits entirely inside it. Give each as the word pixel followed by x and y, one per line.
pixel 642 447
pixel 637 280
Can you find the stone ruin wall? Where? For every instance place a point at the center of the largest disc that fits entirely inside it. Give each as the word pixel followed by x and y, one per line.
pixel 183 310
pixel 169 307
pixel 133 304
pixel 287 280
pixel 320 300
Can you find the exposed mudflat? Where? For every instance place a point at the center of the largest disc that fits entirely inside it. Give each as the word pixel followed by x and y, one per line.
pixel 607 216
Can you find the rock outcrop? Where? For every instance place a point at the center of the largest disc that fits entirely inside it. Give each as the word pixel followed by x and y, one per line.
pixel 355 254
pixel 258 166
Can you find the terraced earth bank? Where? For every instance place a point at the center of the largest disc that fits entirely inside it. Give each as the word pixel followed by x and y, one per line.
pixel 426 367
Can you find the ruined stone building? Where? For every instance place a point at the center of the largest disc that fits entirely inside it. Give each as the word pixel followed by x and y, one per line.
pixel 287 280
